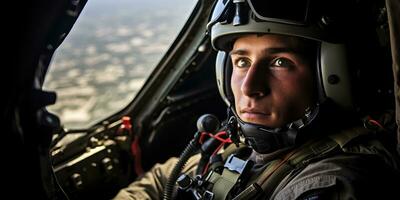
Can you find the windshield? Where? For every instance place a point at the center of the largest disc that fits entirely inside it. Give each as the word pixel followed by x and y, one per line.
pixel 108 55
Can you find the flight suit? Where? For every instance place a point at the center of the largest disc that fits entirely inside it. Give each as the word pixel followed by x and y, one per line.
pixel 363 169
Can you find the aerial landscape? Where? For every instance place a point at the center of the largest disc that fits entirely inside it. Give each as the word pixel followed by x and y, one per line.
pixel 109 53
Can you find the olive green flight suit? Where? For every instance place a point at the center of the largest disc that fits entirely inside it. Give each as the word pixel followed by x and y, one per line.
pixel 364 169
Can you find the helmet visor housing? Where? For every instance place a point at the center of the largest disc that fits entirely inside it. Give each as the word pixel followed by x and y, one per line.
pixel 278 11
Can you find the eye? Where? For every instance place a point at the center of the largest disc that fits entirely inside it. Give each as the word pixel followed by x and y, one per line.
pixel 242 63
pixel 282 62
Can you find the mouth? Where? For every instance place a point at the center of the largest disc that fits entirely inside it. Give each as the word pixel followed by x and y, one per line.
pixel 253 114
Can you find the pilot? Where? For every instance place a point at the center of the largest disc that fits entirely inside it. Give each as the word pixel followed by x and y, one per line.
pixel 286 70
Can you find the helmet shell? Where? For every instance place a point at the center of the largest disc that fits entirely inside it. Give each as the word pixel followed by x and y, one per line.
pixel 333 69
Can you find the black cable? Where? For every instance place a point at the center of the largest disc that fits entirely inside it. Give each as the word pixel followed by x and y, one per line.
pixel 190 149
pixel 206 123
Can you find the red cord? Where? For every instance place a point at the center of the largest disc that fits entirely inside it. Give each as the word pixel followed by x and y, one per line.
pixel 374 122
pixel 223 142
pixel 137 154
pixel 202 136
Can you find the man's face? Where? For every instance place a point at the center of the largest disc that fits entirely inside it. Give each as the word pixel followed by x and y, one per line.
pixel 271 79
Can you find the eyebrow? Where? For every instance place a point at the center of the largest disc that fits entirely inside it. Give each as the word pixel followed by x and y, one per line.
pixel 266 51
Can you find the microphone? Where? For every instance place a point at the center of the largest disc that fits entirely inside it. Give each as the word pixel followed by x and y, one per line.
pixel 208 123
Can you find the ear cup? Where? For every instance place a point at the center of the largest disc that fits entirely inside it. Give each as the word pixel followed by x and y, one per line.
pixel 228 67
pixel 223 72
pixel 335 75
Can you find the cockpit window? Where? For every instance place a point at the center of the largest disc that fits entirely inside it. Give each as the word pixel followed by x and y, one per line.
pixel 109 53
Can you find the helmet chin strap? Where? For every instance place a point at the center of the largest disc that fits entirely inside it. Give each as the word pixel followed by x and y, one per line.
pixel 266 140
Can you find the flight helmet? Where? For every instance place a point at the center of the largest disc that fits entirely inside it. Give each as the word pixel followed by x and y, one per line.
pixel 327 22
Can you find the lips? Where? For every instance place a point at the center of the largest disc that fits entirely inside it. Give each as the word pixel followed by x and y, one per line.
pixel 253 110
pixel 253 114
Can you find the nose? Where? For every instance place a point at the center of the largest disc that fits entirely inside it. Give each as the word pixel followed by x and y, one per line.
pixel 255 83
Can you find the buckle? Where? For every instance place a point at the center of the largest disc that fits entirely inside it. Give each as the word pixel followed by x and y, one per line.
pixel 237 165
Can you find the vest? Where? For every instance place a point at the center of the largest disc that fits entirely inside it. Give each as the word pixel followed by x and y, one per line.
pixel 228 171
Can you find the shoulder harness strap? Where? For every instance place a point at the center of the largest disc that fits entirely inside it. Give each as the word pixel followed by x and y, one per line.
pixel 278 169
pixel 299 158
pixel 233 168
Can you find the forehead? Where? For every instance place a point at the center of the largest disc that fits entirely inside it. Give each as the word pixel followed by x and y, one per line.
pixel 265 41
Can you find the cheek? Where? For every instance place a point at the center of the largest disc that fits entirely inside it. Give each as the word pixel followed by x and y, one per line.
pixel 235 87
pixel 300 88
pixel 306 85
